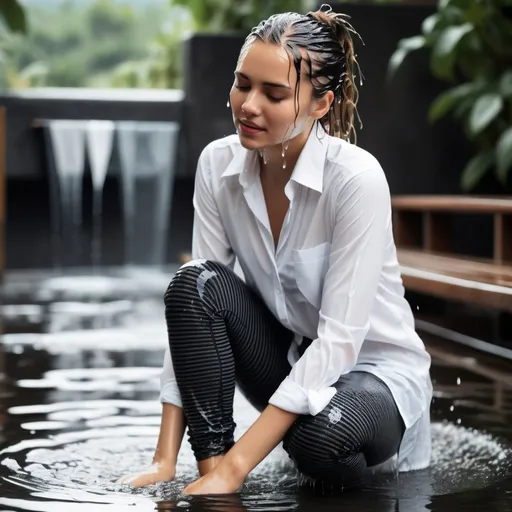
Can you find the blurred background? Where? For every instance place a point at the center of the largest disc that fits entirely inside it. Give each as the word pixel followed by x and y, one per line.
pixel 164 68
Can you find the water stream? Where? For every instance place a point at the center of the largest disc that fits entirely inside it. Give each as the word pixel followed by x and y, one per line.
pixel 147 153
pixel 100 140
pixel 65 141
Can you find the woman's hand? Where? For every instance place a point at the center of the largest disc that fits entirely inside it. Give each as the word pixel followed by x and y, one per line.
pixel 221 480
pixel 157 472
pixel 263 436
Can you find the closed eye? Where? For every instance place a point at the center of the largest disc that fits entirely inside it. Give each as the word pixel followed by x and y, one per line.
pixel 245 88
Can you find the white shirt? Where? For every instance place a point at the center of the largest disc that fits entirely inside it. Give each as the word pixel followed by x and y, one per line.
pixel 334 276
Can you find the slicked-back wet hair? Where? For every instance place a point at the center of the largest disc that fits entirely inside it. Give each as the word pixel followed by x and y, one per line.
pixel 330 59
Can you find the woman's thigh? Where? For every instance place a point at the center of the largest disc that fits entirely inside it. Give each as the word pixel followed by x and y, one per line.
pixel 225 313
pixel 361 427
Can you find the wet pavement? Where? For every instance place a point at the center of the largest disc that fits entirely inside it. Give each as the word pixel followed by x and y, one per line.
pixel 79 408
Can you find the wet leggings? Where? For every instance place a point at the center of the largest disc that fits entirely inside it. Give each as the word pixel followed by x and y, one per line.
pixel 220 332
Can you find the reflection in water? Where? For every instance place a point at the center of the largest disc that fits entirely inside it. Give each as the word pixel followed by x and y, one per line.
pixel 80 408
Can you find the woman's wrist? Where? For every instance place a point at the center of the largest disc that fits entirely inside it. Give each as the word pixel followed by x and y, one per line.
pixel 235 466
pixel 164 463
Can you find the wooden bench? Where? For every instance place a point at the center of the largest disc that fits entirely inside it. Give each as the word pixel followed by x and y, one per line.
pixel 422 229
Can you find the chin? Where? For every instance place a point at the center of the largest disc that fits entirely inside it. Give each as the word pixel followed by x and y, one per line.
pixel 249 143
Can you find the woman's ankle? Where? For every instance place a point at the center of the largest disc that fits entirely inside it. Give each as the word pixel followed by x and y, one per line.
pixel 207 465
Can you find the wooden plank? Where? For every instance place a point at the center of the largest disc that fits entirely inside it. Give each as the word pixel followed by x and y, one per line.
pixel 479 282
pixel 408 229
pixel 457 289
pixel 461 204
pixel 502 238
pixel 479 270
pixel 438 233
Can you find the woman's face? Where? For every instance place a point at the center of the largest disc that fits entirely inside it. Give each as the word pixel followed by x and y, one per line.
pixel 263 97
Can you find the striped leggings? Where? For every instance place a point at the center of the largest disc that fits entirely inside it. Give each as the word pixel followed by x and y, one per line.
pixel 220 332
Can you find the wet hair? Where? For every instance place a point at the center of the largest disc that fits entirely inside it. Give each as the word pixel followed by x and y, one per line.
pixel 330 61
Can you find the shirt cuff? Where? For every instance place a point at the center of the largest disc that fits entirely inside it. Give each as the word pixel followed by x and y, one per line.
pixel 170 394
pixel 292 397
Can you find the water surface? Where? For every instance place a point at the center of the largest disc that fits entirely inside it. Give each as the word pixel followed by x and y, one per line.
pixel 79 408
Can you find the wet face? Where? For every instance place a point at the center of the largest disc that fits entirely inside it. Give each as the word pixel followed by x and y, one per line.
pixel 263 97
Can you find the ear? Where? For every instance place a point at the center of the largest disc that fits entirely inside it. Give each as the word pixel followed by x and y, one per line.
pixel 322 105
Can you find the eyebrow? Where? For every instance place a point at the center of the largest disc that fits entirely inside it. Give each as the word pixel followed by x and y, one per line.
pixel 269 84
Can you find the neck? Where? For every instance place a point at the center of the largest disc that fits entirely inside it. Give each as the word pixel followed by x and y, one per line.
pixel 280 168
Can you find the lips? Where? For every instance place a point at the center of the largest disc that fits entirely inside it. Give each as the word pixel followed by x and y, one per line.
pixel 251 126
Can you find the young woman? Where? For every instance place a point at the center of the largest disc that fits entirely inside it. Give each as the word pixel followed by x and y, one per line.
pixel 318 335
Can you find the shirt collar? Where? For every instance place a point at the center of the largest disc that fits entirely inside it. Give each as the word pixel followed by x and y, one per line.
pixel 308 171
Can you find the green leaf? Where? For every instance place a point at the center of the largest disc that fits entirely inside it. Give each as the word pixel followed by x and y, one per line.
pixel 443 53
pixel 504 155
pixel 506 84
pixel 463 107
pixel 447 100
pixel 405 46
pixel 475 169
pixel 14 15
pixel 429 24
pixel 484 111
pixel 477 12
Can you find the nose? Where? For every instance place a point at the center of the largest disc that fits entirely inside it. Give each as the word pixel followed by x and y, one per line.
pixel 250 106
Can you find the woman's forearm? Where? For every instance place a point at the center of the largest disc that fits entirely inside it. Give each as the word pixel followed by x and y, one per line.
pixel 261 438
pixel 172 428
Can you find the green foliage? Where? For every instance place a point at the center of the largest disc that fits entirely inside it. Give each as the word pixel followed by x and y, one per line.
pixel 74 44
pixel 13 15
pixel 470 46
pixel 162 67
pixel 242 15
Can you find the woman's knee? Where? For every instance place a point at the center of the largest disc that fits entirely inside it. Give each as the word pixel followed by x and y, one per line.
pixel 319 455
pixel 194 279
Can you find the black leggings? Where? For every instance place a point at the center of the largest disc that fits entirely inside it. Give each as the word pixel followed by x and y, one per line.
pixel 220 332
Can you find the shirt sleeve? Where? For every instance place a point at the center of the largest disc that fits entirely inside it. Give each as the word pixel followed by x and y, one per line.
pixel 362 222
pixel 209 241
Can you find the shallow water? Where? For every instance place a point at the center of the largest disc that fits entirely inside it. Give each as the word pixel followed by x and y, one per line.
pixel 79 408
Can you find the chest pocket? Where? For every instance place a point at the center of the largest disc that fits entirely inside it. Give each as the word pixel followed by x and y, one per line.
pixel 310 268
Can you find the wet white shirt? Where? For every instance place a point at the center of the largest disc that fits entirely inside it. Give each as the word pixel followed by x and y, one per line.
pixel 334 276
